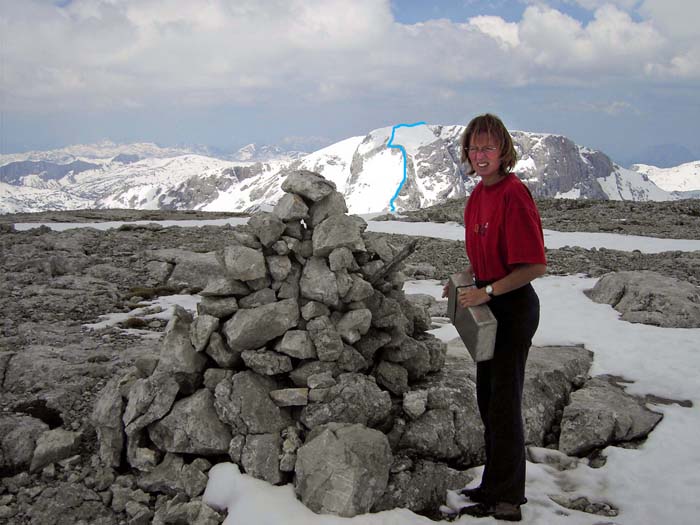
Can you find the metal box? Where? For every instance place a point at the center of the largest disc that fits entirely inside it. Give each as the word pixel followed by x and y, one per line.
pixel 476 325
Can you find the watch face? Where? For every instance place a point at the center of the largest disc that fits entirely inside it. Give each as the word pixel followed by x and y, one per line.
pixel 489 289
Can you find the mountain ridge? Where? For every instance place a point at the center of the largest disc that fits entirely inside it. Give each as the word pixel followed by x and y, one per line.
pixel 363 168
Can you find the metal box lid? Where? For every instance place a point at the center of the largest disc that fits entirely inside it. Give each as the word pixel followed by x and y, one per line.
pixel 476 325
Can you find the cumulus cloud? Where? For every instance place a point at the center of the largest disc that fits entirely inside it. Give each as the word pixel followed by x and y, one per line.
pixel 134 53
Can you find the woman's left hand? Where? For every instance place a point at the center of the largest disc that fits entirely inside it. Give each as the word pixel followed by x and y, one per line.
pixel 472 296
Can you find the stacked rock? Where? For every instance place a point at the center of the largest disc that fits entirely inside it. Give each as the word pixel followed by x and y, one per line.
pixel 297 366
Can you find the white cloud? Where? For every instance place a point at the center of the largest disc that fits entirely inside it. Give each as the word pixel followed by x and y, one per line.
pixel 137 53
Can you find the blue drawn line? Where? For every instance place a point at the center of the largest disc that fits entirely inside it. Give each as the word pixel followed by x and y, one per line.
pixel 403 150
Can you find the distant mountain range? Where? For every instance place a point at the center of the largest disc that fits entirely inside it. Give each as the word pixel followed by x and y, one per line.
pixel 370 174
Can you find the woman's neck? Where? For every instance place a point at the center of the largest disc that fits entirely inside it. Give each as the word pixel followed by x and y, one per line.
pixel 493 179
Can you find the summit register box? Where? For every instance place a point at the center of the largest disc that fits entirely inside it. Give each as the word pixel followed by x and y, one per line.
pixel 476 325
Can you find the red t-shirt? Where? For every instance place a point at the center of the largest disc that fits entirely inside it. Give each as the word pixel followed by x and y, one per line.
pixel 502 229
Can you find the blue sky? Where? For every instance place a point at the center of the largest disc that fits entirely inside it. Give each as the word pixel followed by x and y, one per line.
pixel 621 76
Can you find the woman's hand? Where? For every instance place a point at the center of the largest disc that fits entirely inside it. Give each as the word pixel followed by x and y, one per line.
pixel 472 296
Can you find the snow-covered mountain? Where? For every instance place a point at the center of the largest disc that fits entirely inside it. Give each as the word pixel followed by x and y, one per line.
pixel 683 180
pixel 369 170
pixel 100 152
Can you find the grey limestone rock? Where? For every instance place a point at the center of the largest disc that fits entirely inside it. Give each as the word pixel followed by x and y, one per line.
pixel 222 287
pixel 301 374
pixel 331 204
pixel 356 398
pixel 260 457
pixel 354 324
pixel 314 309
pixel 149 400
pixel 258 298
pixel 342 259
pixel 18 438
pixel 267 362
pixel 393 377
pixel 279 266
pixel 650 298
pixel 166 478
pixel 288 397
pixel 192 427
pixel 602 413
pixel 319 283
pixel 291 207
pixel 219 307
pixel 177 355
pixel 297 344
pixel 550 376
pixel 343 469
pixel 243 263
pixel 328 343
pixel 421 487
pixel 191 269
pixel 338 231
pixel 224 356
pixel 251 328
pixel 415 403
pixel 107 418
pixel 413 355
pixel 309 185
pixel 267 226
pixel 244 403
pixel 201 329
pixel 54 445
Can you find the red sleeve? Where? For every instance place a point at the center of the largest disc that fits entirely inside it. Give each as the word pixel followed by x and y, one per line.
pixel 523 229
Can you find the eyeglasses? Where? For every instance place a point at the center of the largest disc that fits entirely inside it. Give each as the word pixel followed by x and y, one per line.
pixel 488 150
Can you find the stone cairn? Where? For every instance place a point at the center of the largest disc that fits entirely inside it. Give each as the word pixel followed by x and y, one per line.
pixel 298 366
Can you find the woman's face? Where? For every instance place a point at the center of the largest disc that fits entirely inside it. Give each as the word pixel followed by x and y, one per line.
pixel 485 157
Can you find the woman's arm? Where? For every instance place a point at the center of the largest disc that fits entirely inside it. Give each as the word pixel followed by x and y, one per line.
pixel 519 277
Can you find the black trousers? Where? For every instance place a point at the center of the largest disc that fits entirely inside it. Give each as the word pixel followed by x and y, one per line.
pixel 499 391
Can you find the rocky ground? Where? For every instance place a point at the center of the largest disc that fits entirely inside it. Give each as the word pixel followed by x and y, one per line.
pixel 52 367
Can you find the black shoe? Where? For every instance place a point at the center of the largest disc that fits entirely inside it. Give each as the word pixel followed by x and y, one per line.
pixel 476 494
pixel 500 511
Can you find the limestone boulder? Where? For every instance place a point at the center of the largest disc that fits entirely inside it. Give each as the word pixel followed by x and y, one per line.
pixel 260 457
pixel 343 469
pixel 18 438
pixel 339 231
pixel 177 355
pixel 192 427
pixel 649 297
pixel 308 184
pixel 251 328
pixel 107 419
pixel 319 283
pixel 356 398
pixel 149 400
pixel 291 207
pixel 331 204
pixel 601 414
pixel 54 445
pixel 243 263
pixel 552 372
pixel 245 404
pixel 189 269
pixel 266 226
pixel 420 486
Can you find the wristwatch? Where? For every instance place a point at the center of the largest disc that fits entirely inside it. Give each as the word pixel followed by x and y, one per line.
pixel 489 290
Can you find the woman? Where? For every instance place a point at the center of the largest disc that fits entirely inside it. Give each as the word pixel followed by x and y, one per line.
pixel 505 247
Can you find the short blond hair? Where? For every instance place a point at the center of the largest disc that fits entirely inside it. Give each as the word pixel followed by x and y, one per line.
pixel 494 127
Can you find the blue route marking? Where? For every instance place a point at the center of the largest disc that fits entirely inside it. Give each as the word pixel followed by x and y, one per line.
pixel 403 150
